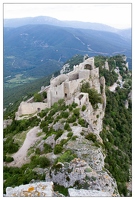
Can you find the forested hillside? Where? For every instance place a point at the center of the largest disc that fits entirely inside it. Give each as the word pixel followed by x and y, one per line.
pixel 34 51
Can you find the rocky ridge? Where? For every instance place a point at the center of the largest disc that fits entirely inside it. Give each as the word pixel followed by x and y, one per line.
pixel 86 172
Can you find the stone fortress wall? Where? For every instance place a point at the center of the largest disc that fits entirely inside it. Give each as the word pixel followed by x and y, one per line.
pixel 65 86
pixel 30 108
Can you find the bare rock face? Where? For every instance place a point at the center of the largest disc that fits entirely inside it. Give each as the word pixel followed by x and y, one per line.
pixel 39 189
pixel 7 123
pixel 87 193
pixel 79 175
pixel 84 149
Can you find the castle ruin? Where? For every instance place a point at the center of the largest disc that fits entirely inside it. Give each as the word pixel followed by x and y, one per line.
pixel 65 86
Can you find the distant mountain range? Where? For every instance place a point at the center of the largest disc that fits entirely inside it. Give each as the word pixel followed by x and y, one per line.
pixel 73 24
pixel 33 47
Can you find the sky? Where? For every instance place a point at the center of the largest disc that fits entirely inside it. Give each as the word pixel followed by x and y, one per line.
pixel 117 15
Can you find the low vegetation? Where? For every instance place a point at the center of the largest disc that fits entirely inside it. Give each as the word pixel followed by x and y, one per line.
pixel 94 96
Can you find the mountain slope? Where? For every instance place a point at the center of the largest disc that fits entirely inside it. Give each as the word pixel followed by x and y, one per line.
pixel 52 21
pixel 32 49
pixel 126 33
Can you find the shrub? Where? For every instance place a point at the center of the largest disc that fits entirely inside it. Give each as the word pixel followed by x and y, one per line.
pixel 47 148
pixel 76 112
pixel 70 107
pixel 58 134
pixel 10 146
pixel 69 134
pixel 45 129
pixel 61 189
pixel 82 122
pixel 9 159
pixel 65 114
pixel 74 105
pixel 91 136
pixel 71 119
pixel 82 133
pixel 58 149
pixel 67 127
pixel 37 151
pixel 44 162
pixel 94 96
pixel 38 97
pixel 41 161
pixel 63 141
pixel 83 108
pixel 44 94
pixel 67 156
pixel 74 137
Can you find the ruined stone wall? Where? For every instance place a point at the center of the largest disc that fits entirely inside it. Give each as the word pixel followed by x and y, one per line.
pixel 94 73
pixel 84 74
pixel 89 61
pixel 30 108
pixel 67 90
pixel 54 94
pixel 73 76
pixel 82 99
pixel 74 85
pixel 58 80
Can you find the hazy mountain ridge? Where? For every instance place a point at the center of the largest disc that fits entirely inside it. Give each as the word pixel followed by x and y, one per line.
pixel 74 24
pixel 30 48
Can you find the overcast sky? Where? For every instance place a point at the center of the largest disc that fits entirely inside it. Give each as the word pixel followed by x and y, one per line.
pixel 115 15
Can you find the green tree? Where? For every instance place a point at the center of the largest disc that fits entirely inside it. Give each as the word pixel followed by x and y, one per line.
pixel 38 97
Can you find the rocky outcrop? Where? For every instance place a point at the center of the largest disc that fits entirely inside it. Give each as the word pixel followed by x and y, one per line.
pixel 87 193
pixel 7 122
pixel 40 189
pixel 79 175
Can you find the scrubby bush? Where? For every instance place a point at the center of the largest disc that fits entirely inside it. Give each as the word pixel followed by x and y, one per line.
pixel 67 156
pixel 9 159
pixel 74 105
pixel 94 96
pixel 63 141
pixel 82 122
pixel 58 149
pixel 83 108
pixel 69 134
pixel 10 146
pixel 37 151
pixel 91 136
pixel 58 134
pixel 41 161
pixel 44 94
pixel 74 137
pixel 47 148
pixel 38 97
pixel 67 127
pixel 71 119
pixel 44 162
pixel 64 114
pixel 76 112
